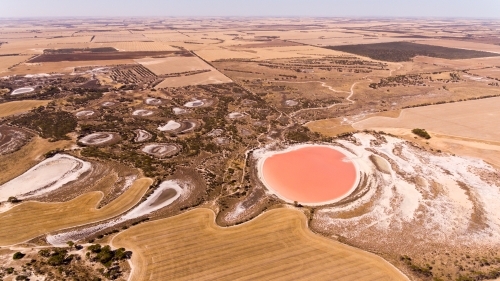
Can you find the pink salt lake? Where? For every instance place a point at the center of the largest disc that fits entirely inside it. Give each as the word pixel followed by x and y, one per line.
pixel 314 174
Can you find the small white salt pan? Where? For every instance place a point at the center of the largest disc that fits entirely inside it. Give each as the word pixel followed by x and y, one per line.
pixel 46 176
pixel 142 112
pixel 195 103
pixel 85 113
pixel 153 101
pixel 170 126
pixel 21 91
pixel 178 111
pixel 97 138
pixel 235 115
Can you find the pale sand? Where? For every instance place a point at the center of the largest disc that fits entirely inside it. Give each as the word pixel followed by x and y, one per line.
pixel 474 119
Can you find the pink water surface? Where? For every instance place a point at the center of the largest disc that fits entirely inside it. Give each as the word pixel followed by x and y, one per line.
pixel 312 174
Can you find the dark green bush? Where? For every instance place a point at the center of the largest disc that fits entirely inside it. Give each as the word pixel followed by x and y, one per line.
pixel 421 133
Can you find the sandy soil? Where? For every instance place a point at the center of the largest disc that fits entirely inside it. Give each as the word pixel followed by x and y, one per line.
pixel 17 107
pixel 211 77
pixel 65 67
pixel 171 65
pixel 8 61
pixel 475 119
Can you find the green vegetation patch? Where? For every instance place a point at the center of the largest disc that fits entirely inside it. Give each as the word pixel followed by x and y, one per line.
pixel 48 123
pixel 405 51
pixel 421 133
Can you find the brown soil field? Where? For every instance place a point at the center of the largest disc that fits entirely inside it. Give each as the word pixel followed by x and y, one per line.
pixel 475 119
pixel 16 107
pixel 275 246
pixel 205 78
pixel 48 217
pixel 96 56
pixel 404 51
pixel 18 162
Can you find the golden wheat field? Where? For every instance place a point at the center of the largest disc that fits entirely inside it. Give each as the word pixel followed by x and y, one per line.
pixel 275 246
pixel 47 217
pixel 16 107
pixel 8 61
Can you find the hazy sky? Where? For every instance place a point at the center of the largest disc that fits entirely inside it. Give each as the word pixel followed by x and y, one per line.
pixel 333 8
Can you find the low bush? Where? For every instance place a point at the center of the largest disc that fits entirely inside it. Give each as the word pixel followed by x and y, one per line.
pixel 421 133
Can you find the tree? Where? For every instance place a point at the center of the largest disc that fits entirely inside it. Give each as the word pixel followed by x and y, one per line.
pixel 18 255
pixel 13 200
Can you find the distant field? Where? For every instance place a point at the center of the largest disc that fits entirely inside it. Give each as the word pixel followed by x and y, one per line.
pixel 62 67
pixel 404 51
pixel 464 45
pixel 275 246
pixel 170 65
pixel 475 119
pixel 8 61
pixel 119 38
pixel 97 56
pixel 16 107
pixel 143 46
pixel 47 217
pixel 211 77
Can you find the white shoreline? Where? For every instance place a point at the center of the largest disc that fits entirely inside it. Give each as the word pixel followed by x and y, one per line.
pixel 264 153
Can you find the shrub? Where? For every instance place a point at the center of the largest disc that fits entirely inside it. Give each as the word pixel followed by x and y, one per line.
pixel 421 133
pixel 18 255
